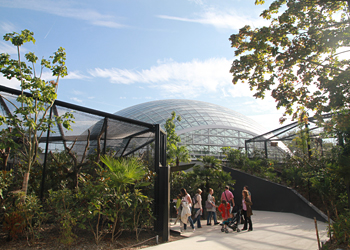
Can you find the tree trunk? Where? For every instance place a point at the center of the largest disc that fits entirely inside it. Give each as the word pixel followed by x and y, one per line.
pixel 25 183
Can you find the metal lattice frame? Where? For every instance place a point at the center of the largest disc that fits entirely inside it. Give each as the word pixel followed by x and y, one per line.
pixel 104 131
pixel 268 142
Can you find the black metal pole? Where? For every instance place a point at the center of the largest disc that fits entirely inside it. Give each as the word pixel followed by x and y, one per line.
pixel 308 140
pixel 105 137
pixel 164 192
pixel 45 159
pixel 158 221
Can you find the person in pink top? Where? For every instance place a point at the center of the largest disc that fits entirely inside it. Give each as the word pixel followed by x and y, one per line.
pixel 228 197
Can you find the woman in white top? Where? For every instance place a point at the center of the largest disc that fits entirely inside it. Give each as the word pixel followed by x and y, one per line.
pixel 211 211
pixel 187 198
pixel 198 210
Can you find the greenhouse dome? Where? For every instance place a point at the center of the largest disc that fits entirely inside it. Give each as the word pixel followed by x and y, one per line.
pixel 204 127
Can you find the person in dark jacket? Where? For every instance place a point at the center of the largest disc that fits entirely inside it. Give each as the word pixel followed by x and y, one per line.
pixel 247 210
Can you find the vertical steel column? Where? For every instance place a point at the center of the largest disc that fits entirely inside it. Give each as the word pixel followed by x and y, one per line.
pixel 166 210
pixel 164 192
pixel 163 189
pixel 266 155
pixel 163 150
pixel 45 159
pixel 105 137
pixel 158 220
pixel 308 139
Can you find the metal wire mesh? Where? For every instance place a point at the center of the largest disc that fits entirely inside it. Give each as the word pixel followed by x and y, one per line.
pixel 100 131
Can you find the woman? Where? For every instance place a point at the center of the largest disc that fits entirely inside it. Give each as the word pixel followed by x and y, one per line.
pixel 247 210
pixel 186 204
pixel 211 211
pixel 198 210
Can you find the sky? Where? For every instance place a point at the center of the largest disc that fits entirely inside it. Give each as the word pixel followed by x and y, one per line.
pixel 126 52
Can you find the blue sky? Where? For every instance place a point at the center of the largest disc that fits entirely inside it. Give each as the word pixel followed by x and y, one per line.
pixel 125 52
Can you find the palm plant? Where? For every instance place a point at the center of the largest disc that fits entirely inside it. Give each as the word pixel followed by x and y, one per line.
pixel 124 172
pixel 179 154
pixel 210 162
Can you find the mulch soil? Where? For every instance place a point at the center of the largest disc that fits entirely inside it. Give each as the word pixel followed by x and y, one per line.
pixel 333 246
pixel 49 239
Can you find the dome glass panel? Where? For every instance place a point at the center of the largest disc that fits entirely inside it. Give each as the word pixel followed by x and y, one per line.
pixel 204 127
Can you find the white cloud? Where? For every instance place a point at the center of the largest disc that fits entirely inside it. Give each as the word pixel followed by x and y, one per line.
pixel 187 79
pixel 75 75
pixel 7 47
pixel 47 76
pixel 199 2
pixel 76 99
pixel 77 92
pixel 65 9
pixel 228 19
pixel 7 27
pixel 13 83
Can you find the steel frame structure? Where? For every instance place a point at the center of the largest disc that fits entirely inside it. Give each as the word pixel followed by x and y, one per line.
pixel 276 135
pixel 108 130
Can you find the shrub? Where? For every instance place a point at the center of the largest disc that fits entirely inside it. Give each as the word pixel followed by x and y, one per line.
pixel 24 215
pixel 62 202
pixel 341 229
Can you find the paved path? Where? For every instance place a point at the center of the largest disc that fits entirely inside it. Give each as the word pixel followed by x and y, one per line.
pixel 272 230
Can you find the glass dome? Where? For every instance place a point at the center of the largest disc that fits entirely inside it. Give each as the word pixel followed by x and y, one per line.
pixel 205 128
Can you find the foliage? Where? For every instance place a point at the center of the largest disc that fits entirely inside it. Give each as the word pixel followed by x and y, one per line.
pixel 300 48
pixel 300 58
pixel 140 211
pixel 108 201
pixel 209 176
pixel 30 118
pixel 124 172
pixel 105 201
pixel 6 178
pixel 34 214
pixel 172 138
pixel 63 203
pixel 24 215
pixel 341 229
pixel 175 153
pixel 95 199
pixel 257 165
pixel 179 154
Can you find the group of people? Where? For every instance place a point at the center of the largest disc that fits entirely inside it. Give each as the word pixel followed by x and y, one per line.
pixel 226 208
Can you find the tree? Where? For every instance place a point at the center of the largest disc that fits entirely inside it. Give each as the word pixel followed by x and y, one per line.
pixel 299 49
pixel 30 119
pixel 298 58
pixel 175 153
pixel 204 178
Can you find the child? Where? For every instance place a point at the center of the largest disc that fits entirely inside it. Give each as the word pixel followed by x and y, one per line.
pixel 224 209
pixel 178 208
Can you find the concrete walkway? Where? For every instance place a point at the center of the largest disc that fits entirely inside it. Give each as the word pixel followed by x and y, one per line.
pixel 272 230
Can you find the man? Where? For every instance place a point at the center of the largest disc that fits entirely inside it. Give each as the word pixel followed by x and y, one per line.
pixel 228 197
